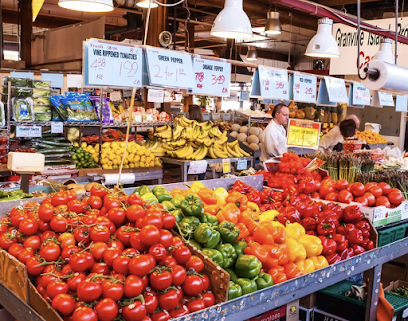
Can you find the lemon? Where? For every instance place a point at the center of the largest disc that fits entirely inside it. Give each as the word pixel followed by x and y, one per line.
pixel 109 163
pixel 104 166
pixel 83 145
pixel 137 158
pixel 122 144
pixel 151 164
pixel 125 166
pixel 148 153
pixel 111 156
pixel 115 166
pixel 140 152
pixel 76 144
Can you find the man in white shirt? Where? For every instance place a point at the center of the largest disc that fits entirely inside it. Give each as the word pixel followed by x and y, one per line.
pixel 333 137
pixel 274 135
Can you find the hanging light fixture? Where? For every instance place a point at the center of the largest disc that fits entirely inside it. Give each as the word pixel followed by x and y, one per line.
pixel 87 5
pixel 252 54
pixel 273 26
pixel 145 4
pixel 323 44
pixel 232 22
pixel 385 53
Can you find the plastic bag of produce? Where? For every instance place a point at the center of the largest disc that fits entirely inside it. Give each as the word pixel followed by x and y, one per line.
pixel 80 109
pixel 43 116
pixel 45 101
pixel 60 111
pixel 106 112
pixel 17 82
pixel 21 92
pixel 41 109
pixel 2 117
pixel 22 108
pixel 40 84
pixel 37 92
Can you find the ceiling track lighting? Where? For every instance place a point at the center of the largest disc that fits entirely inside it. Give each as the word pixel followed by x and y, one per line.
pixel 323 44
pixel 273 25
pixel 87 5
pixel 252 54
pixel 232 22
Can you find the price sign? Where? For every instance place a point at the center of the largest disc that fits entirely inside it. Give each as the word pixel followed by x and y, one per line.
pixel 115 96
pixel 112 64
pixel 127 93
pixel 274 82
pixel 149 117
pixel 169 68
pixel 57 127
pixel 28 131
pixel 226 165
pixel 385 99
pixel 401 104
pixel 215 116
pixel 197 167
pixel 361 95
pixel 336 89
pixel 242 164
pixel 155 95
pixel 303 133
pixel 304 88
pixel 137 118
pixel 212 77
pixel 244 96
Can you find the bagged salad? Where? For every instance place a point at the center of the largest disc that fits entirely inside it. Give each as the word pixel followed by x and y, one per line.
pixel 40 84
pixel 45 101
pixel 17 82
pixel 80 109
pixel 22 109
pixel 106 112
pixel 43 116
pixel 59 113
pixel 37 92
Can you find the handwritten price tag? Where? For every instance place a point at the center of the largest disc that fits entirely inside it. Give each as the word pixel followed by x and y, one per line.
pixel 242 164
pixel 107 64
pixel 197 167
pixel 274 82
pixel 303 133
pixel 361 95
pixel 155 95
pixel 336 89
pixel 226 165
pixel 211 77
pixel 304 88
pixel 401 104
pixel 57 127
pixel 385 99
pixel 169 68
pixel 28 131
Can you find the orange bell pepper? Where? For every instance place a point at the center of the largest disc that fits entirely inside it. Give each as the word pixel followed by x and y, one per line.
pixel 229 213
pixel 278 274
pixel 207 196
pixel 249 221
pixel 249 239
pixel 211 209
pixel 278 252
pixel 266 233
pixel 257 250
pixel 240 200
pixel 243 231
pixel 291 270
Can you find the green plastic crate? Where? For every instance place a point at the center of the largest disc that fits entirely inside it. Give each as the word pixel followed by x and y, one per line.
pixel 391 234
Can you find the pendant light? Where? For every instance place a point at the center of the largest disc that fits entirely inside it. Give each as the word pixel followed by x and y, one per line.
pixel 273 26
pixel 252 54
pixel 385 53
pixel 145 4
pixel 87 5
pixel 232 22
pixel 323 44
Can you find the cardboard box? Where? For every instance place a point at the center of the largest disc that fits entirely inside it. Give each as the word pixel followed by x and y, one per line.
pixel 308 302
pixel 289 312
pixel 396 284
pixel 319 315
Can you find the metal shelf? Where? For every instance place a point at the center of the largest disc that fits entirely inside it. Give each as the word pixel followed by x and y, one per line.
pixel 86 124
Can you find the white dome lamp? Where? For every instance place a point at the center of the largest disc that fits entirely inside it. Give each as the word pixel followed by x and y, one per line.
pixel 232 22
pixel 87 5
pixel 323 44
pixel 385 53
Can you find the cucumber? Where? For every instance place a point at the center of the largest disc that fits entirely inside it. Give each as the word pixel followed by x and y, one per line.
pixel 56 156
pixel 60 161
pixel 50 151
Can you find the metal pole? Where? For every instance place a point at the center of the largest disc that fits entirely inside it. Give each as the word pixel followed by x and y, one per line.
pixel 396 30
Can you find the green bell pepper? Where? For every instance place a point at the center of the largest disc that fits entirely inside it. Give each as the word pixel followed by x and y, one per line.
pixel 195 244
pixel 141 190
pixel 188 225
pixel 150 198
pixel 233 275
pixel 162 194
pixel 234 290
pixel 228 252
pixel 228 232
pixel 264 280
pixel 192 206
pixel 157 188
pixel 177 201
pixel 247 285
pixel 207 235
pixel 240 247
pixel 214 255
pixel 168 205
pixel 178 215
pixel 248 266
pixel 208 218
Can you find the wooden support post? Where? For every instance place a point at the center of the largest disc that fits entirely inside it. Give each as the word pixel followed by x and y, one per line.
pixel 190 37
pixel 26 18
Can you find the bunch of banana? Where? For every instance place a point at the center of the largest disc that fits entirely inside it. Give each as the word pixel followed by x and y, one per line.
pixel 199 154
pixel 185 122
pixel 215 132
pixel 184 151
pixel 116 111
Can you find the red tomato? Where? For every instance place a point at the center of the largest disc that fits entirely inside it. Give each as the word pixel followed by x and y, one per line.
pixel 43 226
pixel 169 221
pixel 385 188
pixel 46 212
pixel 152 219
pixel 370 199
pixel 133 286
pixel 58 224
pixel 99 190
pixel 158 251
pixel 50 252
pixel 177 242
pixel 209 299
pixel 326 188
pixel 57 287
pixel 75 206
pixel 341 184
pixel 180 311
pixel 367 186
pixel 117 215
pixel 66 239
pixel 196 305
pixel 110 254
pixel 78 262
pixel 357 189
pixel 195 264
pixel 32 242
pixel 362 200
pixel 345 196
pixel 166 238
pixel 81 234
pixel 97 250
pixel 15 249
pixel 34 266
pixel 141 265
pixel 332 197
pixel 179 275
pixel 64 304
pixel 68 251
pixel 134 199
pixel 395 197
pixel 17 218
pixel 84 313
pixel 169 300
pixel 376 191
pixel 193 285
pixel 94 202
pixel 120 264
pixel 135 212
pixel 168 261
pixel 383 201
pixel 113 290
pixel 110 201
pixel 75 280
pixel 182 254
pixel 160 280
pixel 135 242
pixel 123 234
pixel 107 309
pixel 89 291
pixel 7 240
pixel 99 233
pixel 134 311
pixel 59 198
pixel 150 235
pixel 25 254
pixel 100 268
pixel 161 316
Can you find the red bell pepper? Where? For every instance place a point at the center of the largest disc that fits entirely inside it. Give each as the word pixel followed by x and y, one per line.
pixel 352 214
pixel 309 223
pixel 328 216
pixel 277 196
pixel 254 197
pixel 333 258
pixel 347 253
pixel 341 242
pixel 240 187
pixel 307 185
pixel 291 191
pixel 329 245
pixel 368 245
pixel 365 228
pixel 267 196
pixel 291 270
pixel 357 249
pixel 354 235
pixel 326 228
pixel 311 233
pixel 289 214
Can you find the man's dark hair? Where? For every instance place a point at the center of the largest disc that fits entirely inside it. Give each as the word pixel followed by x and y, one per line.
pixel 348 128
pixel 277 109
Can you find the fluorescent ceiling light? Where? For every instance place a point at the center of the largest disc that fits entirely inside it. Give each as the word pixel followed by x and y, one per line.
pixel 232 22
pixel 87 5
pixel 323 44
pixel 273 26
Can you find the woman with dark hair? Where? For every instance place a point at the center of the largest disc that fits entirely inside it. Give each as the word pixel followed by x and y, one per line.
pixel 348 129
pixel 195 113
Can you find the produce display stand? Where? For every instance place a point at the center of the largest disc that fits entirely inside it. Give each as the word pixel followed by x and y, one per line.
pixel 185 163
pixel 141 174
pixel 250 119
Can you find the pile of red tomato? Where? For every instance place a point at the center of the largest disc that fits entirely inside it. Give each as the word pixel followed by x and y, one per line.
pixel 105 257
pixel 371 194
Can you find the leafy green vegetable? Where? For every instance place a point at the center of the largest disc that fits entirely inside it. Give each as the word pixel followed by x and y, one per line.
pixel 42 116
pixel 42 109
pixel 22 109
pixel 79 109
pixel 41 84
pixel 41 92
pixel 21 92
pixel 42 101
pixel 18 82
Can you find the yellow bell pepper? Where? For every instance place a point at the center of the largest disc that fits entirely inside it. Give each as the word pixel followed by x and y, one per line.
pixel 319 261
pixel 269 216
pixel 306 266
pixel 295 230
pixel 252 207
pixel 196 186
pixel 313 245
pixel 296 251
pixel 222 193
pixel 276 223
